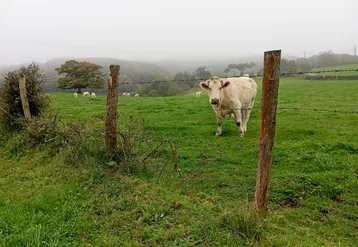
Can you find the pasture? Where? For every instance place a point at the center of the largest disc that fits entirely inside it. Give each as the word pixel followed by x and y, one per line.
pixel 45 201
pixel 352 67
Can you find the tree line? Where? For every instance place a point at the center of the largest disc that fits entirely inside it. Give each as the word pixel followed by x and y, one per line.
pixel 77 75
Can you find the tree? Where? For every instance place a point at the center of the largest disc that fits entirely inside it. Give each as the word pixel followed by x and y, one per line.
pixel 243 66
pixel 303 65
pixel 288 66
pixel 11 110
pixel 238 67
pixel 185 80
pixel 80 75
pixel 231 68
pixel 202 73
pixel 327 58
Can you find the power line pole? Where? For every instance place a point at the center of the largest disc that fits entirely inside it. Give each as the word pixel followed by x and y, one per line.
pixel 355 50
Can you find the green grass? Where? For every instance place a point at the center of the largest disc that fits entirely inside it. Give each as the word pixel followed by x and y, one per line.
pixel 343 67
pixel 46 201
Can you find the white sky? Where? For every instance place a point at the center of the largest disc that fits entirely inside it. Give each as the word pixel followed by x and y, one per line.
pixel 160 29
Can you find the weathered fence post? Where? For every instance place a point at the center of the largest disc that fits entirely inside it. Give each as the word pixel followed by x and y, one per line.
pixel 23 96
pixel 270 84
pixel 112 105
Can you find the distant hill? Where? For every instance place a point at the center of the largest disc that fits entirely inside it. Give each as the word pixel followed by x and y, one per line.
pixel 215 66
pixel 131 71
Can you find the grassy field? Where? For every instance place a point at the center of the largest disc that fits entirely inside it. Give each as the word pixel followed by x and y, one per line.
pixel 50 200
pixel 343 67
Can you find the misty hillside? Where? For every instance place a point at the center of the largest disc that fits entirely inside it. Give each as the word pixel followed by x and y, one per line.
pixel 131 71
pixel 215 65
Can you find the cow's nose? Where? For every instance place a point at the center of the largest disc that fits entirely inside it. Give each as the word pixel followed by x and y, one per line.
pixel 214 101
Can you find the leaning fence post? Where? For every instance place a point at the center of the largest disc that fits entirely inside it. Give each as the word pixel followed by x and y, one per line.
pixel 270 85
pixel 112 105
pixel 23 96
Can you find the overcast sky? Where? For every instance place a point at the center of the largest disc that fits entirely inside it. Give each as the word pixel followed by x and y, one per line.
pixel 159 29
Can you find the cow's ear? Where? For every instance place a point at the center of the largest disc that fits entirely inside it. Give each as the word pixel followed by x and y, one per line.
pixel 204 85
pixel 225 84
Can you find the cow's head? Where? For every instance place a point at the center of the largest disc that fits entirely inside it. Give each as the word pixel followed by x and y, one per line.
pixel 213 86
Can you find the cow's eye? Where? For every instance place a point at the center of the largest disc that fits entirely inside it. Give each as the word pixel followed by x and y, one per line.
pixel 209 89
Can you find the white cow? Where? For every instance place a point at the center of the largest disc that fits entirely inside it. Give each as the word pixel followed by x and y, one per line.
pixel 246 75
pixel 75 94
pixel 124 94
pixel 231 95
pixel 93 95
pixel 136 95
pixel 197 94
pixel 128 94
pixel 86 94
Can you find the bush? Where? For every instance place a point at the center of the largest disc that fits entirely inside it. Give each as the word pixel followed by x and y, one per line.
pixel 138 148
pixel 49 133
pixel 11 112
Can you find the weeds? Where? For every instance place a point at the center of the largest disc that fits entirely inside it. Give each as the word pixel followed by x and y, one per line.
pixel 245 223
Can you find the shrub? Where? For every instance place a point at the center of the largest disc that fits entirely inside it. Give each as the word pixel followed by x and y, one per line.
pixel 11 112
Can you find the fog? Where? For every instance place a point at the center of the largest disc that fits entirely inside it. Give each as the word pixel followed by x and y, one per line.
pixel 176 30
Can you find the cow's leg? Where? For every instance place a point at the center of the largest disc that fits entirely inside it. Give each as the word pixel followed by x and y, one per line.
pixel 219 119
pixel 245 116
pixel 248 113
pixel 239 122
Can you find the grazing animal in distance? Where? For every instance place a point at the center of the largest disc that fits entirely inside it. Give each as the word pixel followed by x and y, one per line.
pixel 86 94
pixel 197 94
pixel 231 95
pixel 136 95
pixel 75 94
pixel 93 95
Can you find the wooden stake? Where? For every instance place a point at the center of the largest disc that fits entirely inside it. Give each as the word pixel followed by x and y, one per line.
pixel 270 85
pixel 112 105
pixel 23 95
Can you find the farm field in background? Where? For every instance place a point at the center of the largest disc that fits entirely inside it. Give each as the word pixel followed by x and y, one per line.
pixel 314 181
pixel 343 67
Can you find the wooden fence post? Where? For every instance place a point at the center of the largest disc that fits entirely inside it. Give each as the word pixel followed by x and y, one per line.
pixel 112 106
pixel 23 96
pixel 270 85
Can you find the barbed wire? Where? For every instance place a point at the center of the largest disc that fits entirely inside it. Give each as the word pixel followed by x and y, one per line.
pixel 180 141
pixel 204 79
pixel 181 108
pixel 319 71
pixel 248 108
pixel 317 109
pixel 230 145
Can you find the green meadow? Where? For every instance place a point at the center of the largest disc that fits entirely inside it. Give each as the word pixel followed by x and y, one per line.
pixel 75 197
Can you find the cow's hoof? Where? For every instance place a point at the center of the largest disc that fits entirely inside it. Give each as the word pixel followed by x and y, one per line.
pixel 241 134
pixel 218 134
